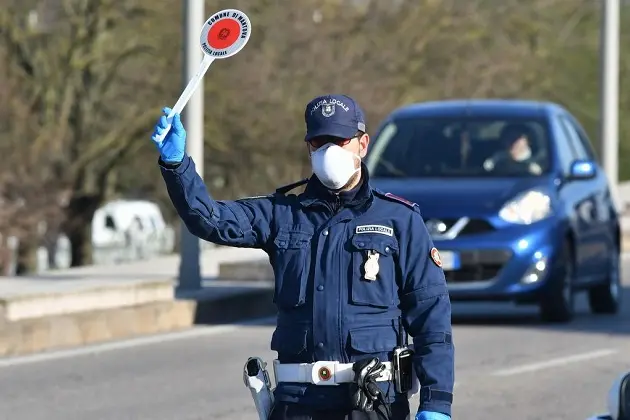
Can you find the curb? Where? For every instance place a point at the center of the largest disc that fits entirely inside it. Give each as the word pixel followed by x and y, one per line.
pixel 253 271
pixel 255 303
pixel 88 299
pixel 80 328
pixel 56 332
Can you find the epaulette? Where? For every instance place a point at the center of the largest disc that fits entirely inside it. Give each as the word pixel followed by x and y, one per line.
pixel 393 197
pixel 285 189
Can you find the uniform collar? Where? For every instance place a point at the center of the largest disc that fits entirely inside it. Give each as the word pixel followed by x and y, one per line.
pixel 316 193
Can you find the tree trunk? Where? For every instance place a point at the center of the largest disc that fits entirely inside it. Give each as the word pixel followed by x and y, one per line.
pixel 26 258
pixel 80 246
pixel 78 227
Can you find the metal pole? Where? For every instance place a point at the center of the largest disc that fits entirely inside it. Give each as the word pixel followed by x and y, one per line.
pixel 192 118
pixel 609 117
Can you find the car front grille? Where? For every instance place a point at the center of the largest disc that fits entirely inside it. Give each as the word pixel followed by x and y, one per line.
pixel 473 227
pixel 480 265
pixel 476 226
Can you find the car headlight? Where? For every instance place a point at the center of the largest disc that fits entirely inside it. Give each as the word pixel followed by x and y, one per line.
pixel 527 208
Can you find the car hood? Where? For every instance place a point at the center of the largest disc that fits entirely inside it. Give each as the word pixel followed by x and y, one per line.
pixel 450 197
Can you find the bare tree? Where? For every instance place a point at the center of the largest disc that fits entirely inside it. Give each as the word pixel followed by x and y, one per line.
pixel 83 90
pixel 80 96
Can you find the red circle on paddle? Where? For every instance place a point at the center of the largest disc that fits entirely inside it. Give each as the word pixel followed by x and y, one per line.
pixel 224 33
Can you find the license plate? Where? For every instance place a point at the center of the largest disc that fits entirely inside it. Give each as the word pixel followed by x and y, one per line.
pixel 450 260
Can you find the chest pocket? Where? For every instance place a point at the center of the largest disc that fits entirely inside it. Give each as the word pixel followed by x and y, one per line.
pixel 291 263
pixel 373 270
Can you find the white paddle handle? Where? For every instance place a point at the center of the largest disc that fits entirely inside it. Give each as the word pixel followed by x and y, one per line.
pixel 191 87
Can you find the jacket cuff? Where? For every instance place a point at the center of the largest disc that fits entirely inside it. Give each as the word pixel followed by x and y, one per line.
pixel 178 168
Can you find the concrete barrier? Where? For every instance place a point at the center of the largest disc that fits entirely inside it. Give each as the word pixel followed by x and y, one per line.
pixel 246 271
pixel 67 298
pixel 70 330
pixel 87 305
pixel 122 314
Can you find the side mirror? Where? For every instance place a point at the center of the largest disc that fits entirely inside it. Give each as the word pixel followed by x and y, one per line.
pixel 619 398
pixel 582 169
pixel 109 222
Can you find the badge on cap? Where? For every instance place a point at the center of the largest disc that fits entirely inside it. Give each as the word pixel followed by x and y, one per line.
pixel 328 110
pixel 371 265
pixel 435 256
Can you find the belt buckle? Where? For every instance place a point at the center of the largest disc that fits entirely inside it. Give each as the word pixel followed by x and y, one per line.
pixel 323 373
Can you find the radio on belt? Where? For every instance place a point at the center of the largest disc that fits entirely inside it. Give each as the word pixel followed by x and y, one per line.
pixel 405 380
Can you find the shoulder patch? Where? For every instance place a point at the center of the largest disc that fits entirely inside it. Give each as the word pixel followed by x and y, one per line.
pixel 435 256
pixel 398 199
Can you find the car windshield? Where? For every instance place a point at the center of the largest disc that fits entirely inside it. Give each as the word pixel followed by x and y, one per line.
pixel 421 147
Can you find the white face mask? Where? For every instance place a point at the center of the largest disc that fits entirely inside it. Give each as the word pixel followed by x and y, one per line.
pixel 333 165
pixel 523 155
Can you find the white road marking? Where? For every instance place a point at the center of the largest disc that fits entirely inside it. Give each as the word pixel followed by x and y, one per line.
pixel 561 361
pixel 195 332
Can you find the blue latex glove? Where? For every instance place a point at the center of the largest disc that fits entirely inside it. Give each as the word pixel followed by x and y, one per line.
pixel 431 415
pixel 173 147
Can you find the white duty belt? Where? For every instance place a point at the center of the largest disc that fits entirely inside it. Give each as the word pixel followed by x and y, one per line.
pixel 322 372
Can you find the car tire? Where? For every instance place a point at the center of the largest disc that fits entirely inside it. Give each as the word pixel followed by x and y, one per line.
pixel 605 298
pixel 557 302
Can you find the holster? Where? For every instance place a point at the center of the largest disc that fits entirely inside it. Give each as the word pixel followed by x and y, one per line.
pixel 256 378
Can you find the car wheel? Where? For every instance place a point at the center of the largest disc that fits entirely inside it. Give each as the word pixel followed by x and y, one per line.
pixel 606 298
pixel 557 302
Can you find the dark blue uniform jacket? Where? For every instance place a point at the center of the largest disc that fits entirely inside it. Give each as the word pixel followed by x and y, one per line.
pixel 317 243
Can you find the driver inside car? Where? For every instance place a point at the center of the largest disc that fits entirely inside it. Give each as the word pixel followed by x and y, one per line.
pixel 516 156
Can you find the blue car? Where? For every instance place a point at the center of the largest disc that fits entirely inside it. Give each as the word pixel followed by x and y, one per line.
pixel 513 197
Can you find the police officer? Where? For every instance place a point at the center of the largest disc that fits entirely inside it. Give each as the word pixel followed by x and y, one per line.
pixel 355 272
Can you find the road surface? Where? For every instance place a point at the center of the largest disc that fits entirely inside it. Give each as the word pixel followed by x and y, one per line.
pixel 509 366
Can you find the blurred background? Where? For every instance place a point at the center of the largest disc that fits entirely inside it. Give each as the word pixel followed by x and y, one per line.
pixel 83 83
